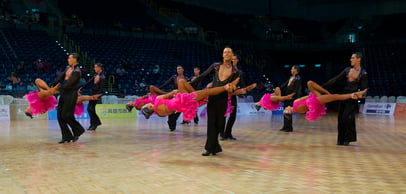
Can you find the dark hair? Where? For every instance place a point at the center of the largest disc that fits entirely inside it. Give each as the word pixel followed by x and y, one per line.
pixel 229 48
pixel 196 68
pixel 147 112
pixel 358 55
pixel 99 65
pixel 237 56
pixel 296 67
pixel 75 56
pixel 179 66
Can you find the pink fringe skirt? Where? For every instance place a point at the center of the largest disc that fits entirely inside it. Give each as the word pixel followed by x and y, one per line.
pixel 39 106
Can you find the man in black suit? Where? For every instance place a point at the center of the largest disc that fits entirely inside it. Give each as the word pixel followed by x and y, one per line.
pixel 67 100
pixel 98 83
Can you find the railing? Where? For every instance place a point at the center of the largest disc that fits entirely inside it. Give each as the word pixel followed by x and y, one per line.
pixel 111 81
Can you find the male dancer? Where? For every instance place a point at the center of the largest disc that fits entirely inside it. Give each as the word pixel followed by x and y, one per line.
pixel 356 77
pixel 223 73
pixel 174 79
pixel 196 86
pixel 98 83
pixel 226 134
pixel 293 86
pixel 67 100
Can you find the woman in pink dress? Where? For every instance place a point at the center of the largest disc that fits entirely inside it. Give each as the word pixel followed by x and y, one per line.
pixel 142 100
pixel 314 104
pixel 41 100
pixel 80 107
pixel 185 100
pixel 272 101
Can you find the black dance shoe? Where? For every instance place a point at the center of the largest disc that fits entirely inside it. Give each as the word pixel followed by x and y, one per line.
pixel 64 141
pixel 28 115
pixel 75 139
pixel 208 153
pixel 257 107
pixel 232 138
pixel 129 107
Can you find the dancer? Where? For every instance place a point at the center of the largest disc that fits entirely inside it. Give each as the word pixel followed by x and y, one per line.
pixel 196 86
pixel 356 78
pixel 67 101
pixel 80 107
pixel 314 104
pixel 223 73
pixel 42 100
pixel 174 79
pixel 232 108
pixel 293 86
pixel 185 100
pixel 272 101
pixel 98 83
pixel 149 98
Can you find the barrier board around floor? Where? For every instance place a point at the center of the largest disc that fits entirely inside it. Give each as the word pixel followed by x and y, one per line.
pixel 400 109
pixel 379 108
pixel 103 111
pixel 17 112
pixel 4 112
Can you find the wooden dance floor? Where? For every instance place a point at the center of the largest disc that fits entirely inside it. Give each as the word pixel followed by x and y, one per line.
pixel 142 156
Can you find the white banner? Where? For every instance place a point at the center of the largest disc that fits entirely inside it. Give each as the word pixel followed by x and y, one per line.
pixel 4 112
pixel 379 108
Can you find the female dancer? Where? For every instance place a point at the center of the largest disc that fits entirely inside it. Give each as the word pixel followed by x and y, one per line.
pixel 80 107
pixel 42 100
pixel 149 98
pixel 182 101
pixel 239 91
pixel 314 104
pixel 272 101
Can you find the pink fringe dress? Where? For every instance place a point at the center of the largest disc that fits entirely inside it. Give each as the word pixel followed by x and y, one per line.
pixel 266 103
pixel 181 102
pixel 149 99
pixel 230 107
pixel 39 106
pixel 79 109
pixel 316 110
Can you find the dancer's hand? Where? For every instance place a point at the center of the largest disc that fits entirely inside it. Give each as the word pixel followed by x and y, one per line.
pixel 288 110
pixel 354 96
pixel 290 96
pixel 175 92
pixel 229 88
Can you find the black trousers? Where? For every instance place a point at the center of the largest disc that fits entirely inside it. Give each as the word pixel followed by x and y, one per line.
pixel 91 109
pixel 196 119
pixel 65 115
pixel 172 118
pixel 216 108
pixel 287 119
pixel 231 119
pixel 346 121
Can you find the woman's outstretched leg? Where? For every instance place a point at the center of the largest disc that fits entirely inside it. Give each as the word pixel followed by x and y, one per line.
pixel 87 98
pixel 44 90
pixel 41 84
pixel 202 94
pixel 244 90
pixel 184 86
pixel 316 89
pixel 324 99
pixel 156 91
